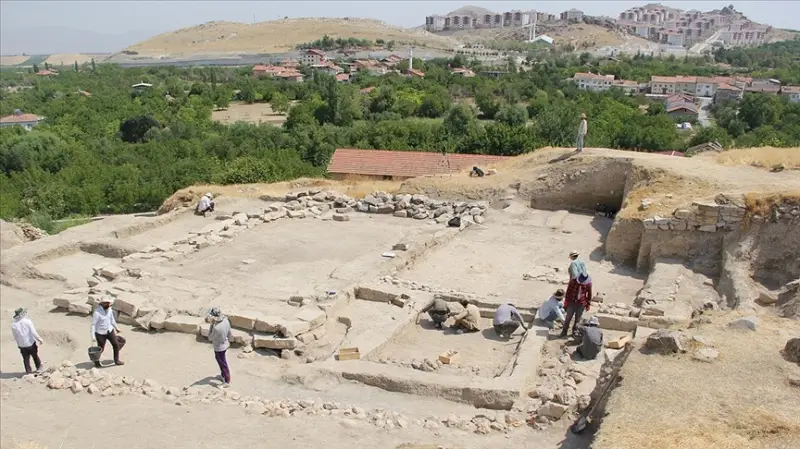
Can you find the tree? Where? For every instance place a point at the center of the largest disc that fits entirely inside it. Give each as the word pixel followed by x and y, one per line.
pixel 46 66
pixel 487 104
pixel 656 108
pixel 94 66
pixel 35 68
pixel 134 129
pixel 512 115
pixel 279 103
pixel 459 120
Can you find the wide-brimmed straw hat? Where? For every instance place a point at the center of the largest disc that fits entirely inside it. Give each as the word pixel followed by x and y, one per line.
pixel 559 293
pixel 107 299
pixel 573 254
pixel 583 115
pixel 19 312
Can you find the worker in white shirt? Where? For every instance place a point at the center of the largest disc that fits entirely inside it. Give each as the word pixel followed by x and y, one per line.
pixel 26 337
pixel 104 328
pixel 552 311
pixel 206 204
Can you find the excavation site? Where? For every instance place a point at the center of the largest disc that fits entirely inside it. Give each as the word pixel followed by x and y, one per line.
pixel 695 288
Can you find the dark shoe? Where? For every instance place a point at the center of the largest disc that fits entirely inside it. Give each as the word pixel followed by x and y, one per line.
pixel 119 363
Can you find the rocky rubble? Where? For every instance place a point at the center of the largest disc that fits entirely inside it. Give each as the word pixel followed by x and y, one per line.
pixel 68 377
pixel 432 365
pixel 556 395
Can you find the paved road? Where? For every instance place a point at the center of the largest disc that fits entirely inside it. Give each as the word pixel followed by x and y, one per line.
pixel 701 47
pixel 702 113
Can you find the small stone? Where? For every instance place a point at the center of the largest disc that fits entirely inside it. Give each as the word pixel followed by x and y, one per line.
pixel 707 355
pixel 792 350
pixel 746 323
pixel 76 387
pixel 552 410
pixel 341 217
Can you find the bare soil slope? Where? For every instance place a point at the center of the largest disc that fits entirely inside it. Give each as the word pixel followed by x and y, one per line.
pixel 277 36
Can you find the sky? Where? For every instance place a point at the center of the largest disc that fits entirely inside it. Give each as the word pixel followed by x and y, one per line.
pixel 102 26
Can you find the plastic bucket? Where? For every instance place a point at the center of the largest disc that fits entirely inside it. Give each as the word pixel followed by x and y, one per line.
pixel 94 353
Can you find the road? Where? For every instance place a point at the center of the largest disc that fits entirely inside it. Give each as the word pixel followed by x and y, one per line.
pixel 701 47
pixel 702 112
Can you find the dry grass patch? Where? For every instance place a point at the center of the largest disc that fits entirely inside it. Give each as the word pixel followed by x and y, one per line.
pixel 762 203
pixel 740 401
pixel 12 60
pixel 764 157
pixel 67 59
pixel 665 189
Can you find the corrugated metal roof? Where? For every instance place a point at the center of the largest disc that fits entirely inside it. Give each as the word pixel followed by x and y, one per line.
pixel 403 163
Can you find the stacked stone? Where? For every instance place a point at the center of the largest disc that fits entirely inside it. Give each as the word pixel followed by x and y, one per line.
pixel 703 217
pixel 421 207
pixel 67 376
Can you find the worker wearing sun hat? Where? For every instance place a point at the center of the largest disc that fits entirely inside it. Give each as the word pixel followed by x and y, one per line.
pixel 583 128
pixel 104 328
pixel 206 204
pixel 219 333
pixel 26 337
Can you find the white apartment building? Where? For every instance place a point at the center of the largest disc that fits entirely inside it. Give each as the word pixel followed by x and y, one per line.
pixel 593 82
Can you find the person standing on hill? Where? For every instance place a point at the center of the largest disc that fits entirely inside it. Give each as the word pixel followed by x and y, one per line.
pixel 220 336
pixel 583 128
pixel 26 337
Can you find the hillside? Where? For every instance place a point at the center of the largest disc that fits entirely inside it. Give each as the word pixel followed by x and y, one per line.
pixel 580 35
pixel 277 36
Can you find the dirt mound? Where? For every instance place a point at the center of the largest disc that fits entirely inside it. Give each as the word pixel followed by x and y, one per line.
pixel 278 36
pixel 10 235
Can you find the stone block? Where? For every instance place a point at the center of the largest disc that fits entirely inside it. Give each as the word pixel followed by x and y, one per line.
pixel 708 228
pixel 112 272
pixel 124 318
pixel 682 214
pixel 92 281
pixel 269 324
pixel 313 316
pixel 273 342
pixel 245 320
pixel 291 328
pixel 80 308
pixel 401 213
pixel 297 214
pixel 385 209
pixel 649 224
pixel 129 303
pixel 746 323
pixel 678 225
pixel 617 323
pixel 341 217
pixel 158 319
pixel 184 323
pixel 65 301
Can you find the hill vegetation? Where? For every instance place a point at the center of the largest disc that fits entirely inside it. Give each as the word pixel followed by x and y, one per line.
pixel 121 149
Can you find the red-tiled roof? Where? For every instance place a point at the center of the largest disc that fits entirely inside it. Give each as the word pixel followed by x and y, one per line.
pixel 415 72
pixel 21 118
pixel 367 90
pixel 403 163
pixel 314 51
pixel 342 76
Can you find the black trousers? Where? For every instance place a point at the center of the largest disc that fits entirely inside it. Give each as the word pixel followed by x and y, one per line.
pixel 112 338
pixel 573 310
pixel 31 352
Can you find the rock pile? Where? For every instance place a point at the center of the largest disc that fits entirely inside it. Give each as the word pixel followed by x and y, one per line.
pixel 103 384
pixel 432 365
pixel 421 207
pixel 556 393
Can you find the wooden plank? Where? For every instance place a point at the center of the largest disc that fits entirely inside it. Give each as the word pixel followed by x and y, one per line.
pixel 448 357
pixel 349 354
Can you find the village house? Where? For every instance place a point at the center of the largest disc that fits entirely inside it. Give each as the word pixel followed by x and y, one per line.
pixel 400 165
pixel 664 85
pixel 18 118
pixel 391 60
pixel 464 72
pixel 627 86
pixel 414 73
pixel 726 92
pixel 329 67
pixel 681 105
pixel 792 92
pixel 369 66
pixel 47 72
pixel 705 87
pixel 313 57
pixel 759 83
pixel 290 75
pixel 593 82
pixel 343 77
pixel 763 89
pixel 261 70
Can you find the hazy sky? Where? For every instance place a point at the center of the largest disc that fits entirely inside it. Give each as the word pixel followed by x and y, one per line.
pixel 143 18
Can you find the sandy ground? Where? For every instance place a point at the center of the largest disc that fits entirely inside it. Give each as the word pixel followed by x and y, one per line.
pixel 12 60
pixel 67 59
pixel 492 260
pixel 249 113
pixel 277 36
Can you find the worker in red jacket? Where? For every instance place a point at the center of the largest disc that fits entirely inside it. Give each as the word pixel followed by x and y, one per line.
pixel 577 300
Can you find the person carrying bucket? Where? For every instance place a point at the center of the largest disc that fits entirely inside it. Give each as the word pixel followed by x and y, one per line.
pixel 104 328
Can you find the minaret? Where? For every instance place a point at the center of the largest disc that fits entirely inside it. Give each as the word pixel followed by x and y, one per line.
pixel 410 58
